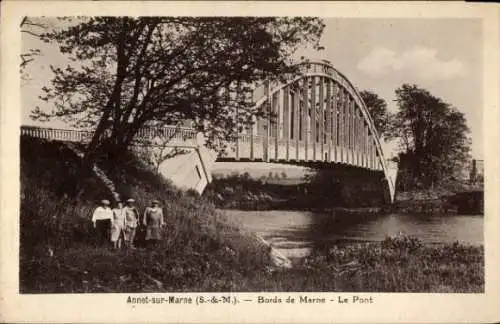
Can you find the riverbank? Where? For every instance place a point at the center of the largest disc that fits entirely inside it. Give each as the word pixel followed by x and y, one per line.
pixel 202 250
pixel 244 193
pixel 398 264
pixel 463 200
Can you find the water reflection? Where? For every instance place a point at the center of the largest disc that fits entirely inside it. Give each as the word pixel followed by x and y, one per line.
pixel 295 233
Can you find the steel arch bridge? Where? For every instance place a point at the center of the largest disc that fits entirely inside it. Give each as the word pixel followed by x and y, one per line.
pixel 319 116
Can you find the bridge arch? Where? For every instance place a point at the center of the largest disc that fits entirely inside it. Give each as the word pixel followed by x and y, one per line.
pixel 319 116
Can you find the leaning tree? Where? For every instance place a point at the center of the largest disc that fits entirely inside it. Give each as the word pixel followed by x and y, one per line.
pixel 129 72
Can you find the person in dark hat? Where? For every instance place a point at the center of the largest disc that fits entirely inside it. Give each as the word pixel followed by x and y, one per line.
pixel 101 219
pixel 154 222
pixel 131 222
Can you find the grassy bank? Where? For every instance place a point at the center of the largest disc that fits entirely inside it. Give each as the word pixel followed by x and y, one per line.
pixel 394 265
pixel 399 264
pixel 202 250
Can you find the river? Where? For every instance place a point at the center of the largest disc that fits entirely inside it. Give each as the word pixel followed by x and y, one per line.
pixel 295 233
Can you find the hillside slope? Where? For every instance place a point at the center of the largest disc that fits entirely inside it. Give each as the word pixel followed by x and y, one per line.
pixel 201 250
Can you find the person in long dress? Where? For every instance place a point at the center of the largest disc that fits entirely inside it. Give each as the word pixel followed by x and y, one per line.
pixel 154 222
pixel 101 219
pixel 131 221
pixel 118 225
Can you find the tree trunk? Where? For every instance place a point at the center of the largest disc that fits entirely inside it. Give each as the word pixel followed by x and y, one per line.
pixel 89 154
pixel 113 104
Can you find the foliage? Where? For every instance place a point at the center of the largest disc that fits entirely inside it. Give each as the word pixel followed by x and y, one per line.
pixel 51 215
pixel 377 107
pixel 320 189
pixel 130 72
pixel 433 138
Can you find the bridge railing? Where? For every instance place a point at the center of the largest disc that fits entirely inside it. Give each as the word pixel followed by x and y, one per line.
pixel 246 138
pixel 177 135
pixel 57 134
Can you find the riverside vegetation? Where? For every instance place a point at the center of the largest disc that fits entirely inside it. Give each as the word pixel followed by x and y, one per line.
pixel 203 250
pixel 277 192
pixel 319 189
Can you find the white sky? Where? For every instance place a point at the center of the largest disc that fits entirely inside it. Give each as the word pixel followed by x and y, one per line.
pixel 442 55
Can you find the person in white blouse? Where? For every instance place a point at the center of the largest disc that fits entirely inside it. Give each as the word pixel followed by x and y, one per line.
pixel 101 219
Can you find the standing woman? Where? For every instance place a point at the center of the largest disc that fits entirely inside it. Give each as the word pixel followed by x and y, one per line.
pixel 101 218
pixel 153 221
pixel 131 221
pixel 118 225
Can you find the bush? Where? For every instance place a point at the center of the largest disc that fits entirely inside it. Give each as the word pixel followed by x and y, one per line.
pixel 402 264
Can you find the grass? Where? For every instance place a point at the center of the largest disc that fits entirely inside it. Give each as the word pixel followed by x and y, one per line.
pixel 401 264
pixel 201 250
pixel 394 265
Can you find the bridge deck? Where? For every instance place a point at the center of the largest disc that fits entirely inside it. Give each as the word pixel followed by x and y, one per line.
pixel 246 147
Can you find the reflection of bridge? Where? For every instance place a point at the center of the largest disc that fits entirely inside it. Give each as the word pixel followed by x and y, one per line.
pixel 319 117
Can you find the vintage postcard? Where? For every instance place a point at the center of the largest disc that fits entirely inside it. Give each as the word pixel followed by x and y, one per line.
pixel 249 162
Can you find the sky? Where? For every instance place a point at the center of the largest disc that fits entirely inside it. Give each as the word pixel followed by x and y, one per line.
pixel 443 56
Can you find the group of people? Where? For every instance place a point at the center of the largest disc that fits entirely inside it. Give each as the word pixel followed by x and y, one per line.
pixel 120 224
